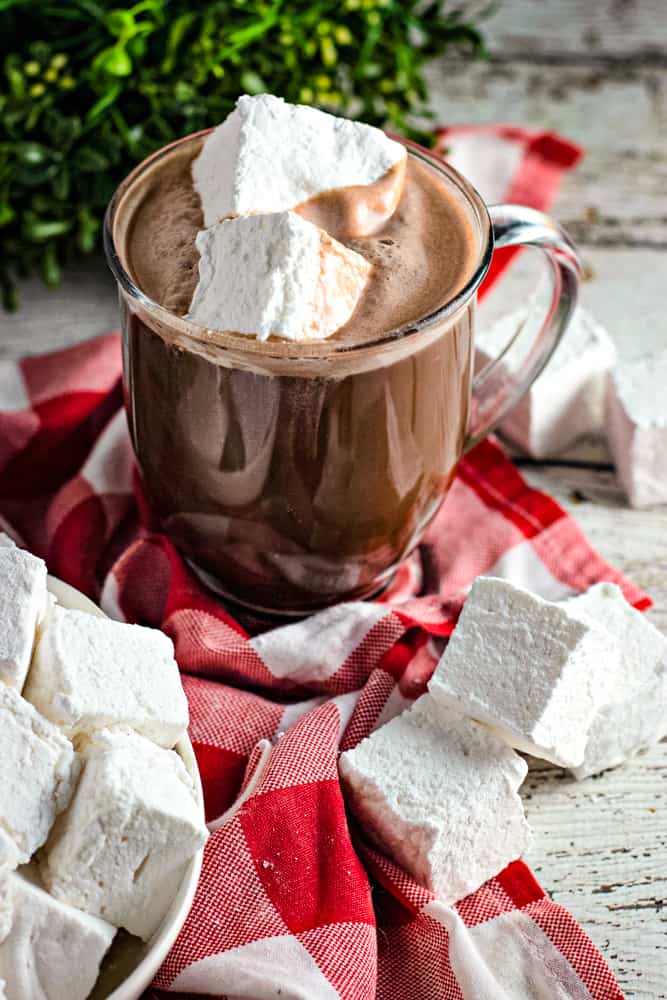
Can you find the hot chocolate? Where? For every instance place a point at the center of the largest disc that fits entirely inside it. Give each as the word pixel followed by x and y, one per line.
pixel 299 474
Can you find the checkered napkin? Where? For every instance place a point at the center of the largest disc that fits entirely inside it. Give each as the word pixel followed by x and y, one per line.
pixel 293 900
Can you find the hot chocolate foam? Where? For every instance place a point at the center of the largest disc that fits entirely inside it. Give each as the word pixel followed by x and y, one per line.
pixel 421 257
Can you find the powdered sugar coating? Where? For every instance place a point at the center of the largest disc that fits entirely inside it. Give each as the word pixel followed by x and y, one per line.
pixel 268 156
pixel 134 823
pixel 636 715
pixel 275 275
pixel 91 672
pixel 51 951
pixel 23 603
pixel 637 428
pixel 527 667
pixel 438 792
pixel 38 771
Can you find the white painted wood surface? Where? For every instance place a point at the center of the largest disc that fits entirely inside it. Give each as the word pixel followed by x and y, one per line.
pixel 597 73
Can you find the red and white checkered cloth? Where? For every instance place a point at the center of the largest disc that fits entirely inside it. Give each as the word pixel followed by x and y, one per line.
pixel 293 901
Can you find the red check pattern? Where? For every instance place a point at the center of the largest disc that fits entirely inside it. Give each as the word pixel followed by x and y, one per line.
pixel 292 900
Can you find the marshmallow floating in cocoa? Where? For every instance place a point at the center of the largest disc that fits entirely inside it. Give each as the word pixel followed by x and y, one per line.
pixel 275 275
pixel 637 428
pixel 268 156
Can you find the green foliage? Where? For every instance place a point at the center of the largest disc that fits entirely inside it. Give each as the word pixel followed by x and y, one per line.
pixel 90 88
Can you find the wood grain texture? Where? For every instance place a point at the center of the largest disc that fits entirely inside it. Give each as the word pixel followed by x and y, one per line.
pixel 567 30
pixel 599 848
pixel 616 197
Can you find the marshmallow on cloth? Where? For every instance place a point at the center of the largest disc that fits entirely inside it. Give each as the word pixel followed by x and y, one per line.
pixel 275 275
pixel 636 715
pixel 121 849
pixel 529 668
pixel 90 672
pixel 637 428
pixel 51 951
pixel 268 156
pixel 438 793
pixel 23 603
pixel 567 401
pixel 38 771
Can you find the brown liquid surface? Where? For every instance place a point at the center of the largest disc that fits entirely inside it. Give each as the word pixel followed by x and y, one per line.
pixel 421 257
pixel 298 487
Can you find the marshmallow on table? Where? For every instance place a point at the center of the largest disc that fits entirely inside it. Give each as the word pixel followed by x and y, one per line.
pixel 89 673
pixel 637 428
pixel 567 401
pixel 275 275
pixel 529 668
pixel 438 793
pixel 268 156
pixel 38 771
pixel 23 602
pixel 121 849
pixel 636 715
pixel 51 951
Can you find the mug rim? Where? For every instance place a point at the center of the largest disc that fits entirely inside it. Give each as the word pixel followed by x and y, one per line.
pixel 304 350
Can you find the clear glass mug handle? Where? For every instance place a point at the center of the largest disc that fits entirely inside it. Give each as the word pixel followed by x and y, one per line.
pixel 502 382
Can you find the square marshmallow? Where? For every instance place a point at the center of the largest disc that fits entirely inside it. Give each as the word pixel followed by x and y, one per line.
pixel 275 275
pixel 567 401
pixel 269 156
pixel 637 428
pixel 529 668
pixel 89 673
pixel 636 715
pixel 51 951
pixel 23 603
pixel 438 793
pixel 121 849
pixel 38 771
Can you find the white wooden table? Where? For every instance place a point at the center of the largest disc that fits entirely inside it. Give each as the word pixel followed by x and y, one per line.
pixel 597 73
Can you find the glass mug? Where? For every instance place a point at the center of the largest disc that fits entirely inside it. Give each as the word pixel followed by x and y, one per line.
pixel 292 478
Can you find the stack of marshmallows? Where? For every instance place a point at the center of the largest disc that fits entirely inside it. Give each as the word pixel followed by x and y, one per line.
pixel 581 683
pixel 263 268
pixel 98 814
pixel 586 394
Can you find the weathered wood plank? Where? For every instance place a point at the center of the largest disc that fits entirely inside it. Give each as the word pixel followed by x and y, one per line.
pixel 600 848
pixel 622 29
pixel 616 195
pixel 634 541
pixel 84 305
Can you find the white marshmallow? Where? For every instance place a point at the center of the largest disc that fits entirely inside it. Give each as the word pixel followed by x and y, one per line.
pixel 89 673
pixel 23 602
pixel 268 156
pixel 275 275
pixel 121 849
pixel 637 428
pixel 52 951
pixel 637 716
pixel 567 401
pixel 438 793
pixel 38 771
pixel 528 668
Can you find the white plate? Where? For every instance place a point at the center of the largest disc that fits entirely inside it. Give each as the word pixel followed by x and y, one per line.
pixel 131 964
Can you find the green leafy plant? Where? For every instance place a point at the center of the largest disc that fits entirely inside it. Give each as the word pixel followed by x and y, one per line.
pixel 91 88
